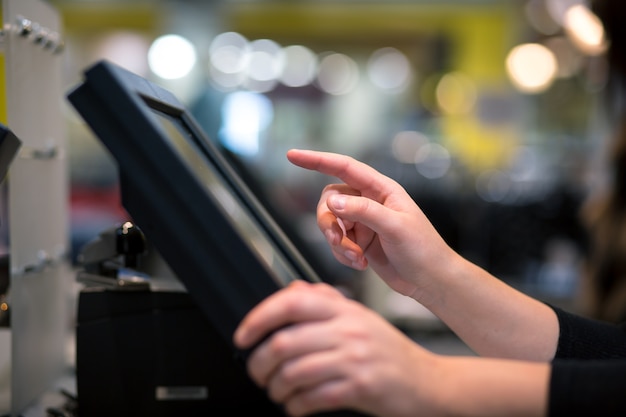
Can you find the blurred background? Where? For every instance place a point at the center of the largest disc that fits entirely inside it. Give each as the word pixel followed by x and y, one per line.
pixel 491 113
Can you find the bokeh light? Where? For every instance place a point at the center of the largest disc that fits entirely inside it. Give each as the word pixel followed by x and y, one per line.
pixel 433 160
pixel 338 74
pixel 300 66
pixel 171 57
pixel 228 59
pixel 531 67
pixel 266 60
pixel 585 29
pixel 245 116
pixel 228 52
pixel 406 144
pixel 456 93
pixel 389 69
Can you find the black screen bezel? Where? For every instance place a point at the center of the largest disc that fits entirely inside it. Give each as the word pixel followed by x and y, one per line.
pixel 220 269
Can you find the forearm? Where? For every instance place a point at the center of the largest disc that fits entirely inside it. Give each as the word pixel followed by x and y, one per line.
pixel 495 387
pixel 491 317
pixel 385 229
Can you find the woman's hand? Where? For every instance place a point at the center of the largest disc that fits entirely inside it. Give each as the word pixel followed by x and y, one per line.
pixel 319 351
pixel 385 229
pixel 326 352
pixel 382 226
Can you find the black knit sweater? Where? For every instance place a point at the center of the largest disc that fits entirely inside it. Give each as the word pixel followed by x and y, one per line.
pixel 589 369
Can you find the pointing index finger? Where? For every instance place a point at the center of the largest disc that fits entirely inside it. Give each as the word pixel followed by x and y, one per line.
pixel 354 173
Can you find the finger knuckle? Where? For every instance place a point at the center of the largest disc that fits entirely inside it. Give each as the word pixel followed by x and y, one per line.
pixel 280 344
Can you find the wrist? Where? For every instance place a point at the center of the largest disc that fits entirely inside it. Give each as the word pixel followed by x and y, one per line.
pixel 494 387
pixel 433 285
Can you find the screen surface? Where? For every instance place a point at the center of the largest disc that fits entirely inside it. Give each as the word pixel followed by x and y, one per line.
pixel 185 145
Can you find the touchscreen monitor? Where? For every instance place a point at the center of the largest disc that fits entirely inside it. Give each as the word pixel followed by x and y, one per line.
pixel 180 190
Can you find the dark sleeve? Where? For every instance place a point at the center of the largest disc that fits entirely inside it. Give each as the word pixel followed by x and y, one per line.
pixel 583 338
pixel 588 388
pixel 589 370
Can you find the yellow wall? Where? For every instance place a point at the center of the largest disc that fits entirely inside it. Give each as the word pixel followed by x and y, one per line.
pixel 481 40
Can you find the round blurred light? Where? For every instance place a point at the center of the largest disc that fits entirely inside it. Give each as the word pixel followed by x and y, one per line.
pixel 264 65
pixel 389 69
pixel 228 52
pixel 300 66
pixel 171 57
pixel 405 145
pixel 433 160
pixel 456 93
pixel 531 67
pixel 245 115
pixel 338 74
pixel 585 29
pixel 266 60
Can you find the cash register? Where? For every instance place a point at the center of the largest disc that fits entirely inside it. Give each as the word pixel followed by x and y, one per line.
pixel 144 351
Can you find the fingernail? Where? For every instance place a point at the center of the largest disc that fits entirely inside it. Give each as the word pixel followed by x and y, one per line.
pixel 358 265
pixel 352 256
pixel 337 201
pixel 332 237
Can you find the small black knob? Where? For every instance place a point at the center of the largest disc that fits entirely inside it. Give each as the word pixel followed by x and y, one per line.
pixel 131 243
